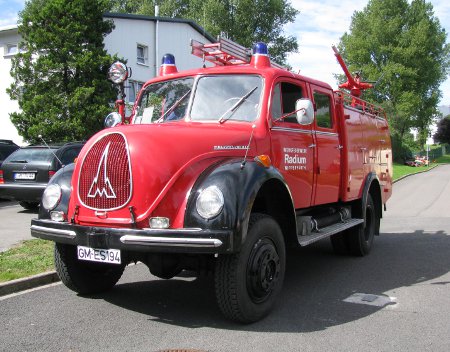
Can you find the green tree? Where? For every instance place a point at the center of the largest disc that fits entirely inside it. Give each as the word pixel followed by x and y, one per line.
pixel 60 74
pixel 244 21
pixel 442 134
pixel 404 44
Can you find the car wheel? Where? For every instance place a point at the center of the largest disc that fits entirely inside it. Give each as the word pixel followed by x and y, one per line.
pixel 247 283
pixel 360 238
pixel 84 277
pixel 29 205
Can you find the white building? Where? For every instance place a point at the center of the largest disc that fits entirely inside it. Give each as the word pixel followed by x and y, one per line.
pixel 141 40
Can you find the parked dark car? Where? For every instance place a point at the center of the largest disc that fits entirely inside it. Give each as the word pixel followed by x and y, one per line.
pixel 26 172
pixel 7 146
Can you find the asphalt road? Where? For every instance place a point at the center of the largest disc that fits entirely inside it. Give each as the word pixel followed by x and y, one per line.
pixel 14 224
pixel 404 285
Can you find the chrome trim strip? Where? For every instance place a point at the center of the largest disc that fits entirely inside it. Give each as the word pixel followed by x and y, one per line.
pixel 171 241
pixel 288 129
pixel 49 230
pixel 326 133
pixel 297 130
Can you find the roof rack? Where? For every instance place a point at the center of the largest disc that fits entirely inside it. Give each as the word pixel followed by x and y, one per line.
pixel 223 53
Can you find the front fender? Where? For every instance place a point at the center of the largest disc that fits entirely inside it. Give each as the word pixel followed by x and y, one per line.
pixel 239 186
pixel 63 178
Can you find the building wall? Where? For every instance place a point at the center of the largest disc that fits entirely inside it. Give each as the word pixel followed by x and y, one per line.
pixel 8 36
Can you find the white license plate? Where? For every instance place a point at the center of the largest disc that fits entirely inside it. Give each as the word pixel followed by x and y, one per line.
pixel 24 176
pixel 99 255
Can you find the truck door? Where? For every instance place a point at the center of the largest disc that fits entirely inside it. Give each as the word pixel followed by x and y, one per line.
pixel 292 151
pixel 327 149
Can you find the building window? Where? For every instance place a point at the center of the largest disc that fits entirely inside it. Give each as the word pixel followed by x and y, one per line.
pixel 142 54
pixel 11 49
pixel 133 90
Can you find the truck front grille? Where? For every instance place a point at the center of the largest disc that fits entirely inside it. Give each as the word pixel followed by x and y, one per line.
pixel 105 181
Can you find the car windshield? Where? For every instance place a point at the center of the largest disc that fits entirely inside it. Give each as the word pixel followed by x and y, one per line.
pixel 28 155
pixel 218 98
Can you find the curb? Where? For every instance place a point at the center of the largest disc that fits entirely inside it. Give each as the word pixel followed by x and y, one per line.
pixel 26 283
pixel 416 173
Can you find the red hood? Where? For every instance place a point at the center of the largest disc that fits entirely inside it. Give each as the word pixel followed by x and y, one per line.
pixel 159 155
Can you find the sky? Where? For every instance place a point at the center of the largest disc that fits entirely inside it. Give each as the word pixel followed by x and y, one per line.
pixel 319 25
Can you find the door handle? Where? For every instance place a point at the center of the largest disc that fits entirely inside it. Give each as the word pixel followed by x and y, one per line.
pixel 311 146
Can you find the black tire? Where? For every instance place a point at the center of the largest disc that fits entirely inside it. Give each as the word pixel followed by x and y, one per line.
pixel 339 243
pixel 247 283
pixel 29 205
pixel 360 238
pixel 84 277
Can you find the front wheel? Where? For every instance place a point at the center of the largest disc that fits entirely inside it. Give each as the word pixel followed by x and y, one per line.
pixel 84 277
pixel 247 283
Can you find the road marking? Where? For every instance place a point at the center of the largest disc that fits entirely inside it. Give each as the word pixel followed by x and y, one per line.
pixel 371 300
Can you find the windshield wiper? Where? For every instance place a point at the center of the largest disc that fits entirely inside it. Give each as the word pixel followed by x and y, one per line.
pixel 222 118
pixel 174 106
pixel 19 161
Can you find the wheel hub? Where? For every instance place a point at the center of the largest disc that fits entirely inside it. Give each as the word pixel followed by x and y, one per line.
pixel 263 270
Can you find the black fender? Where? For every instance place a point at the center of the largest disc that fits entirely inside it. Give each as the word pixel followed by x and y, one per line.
pixel 240 188
pixel 63 178
pixel 372 186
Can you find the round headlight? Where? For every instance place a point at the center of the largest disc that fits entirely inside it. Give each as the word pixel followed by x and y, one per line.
pixel 113 119
pixel 51 196
pixel 210 202
pixel 118 72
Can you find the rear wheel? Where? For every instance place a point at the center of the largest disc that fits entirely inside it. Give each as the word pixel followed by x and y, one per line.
pixel 84 277
pixel 360 238
pixel 248 283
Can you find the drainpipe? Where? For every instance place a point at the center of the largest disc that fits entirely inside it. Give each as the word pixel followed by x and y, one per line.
pixel 156 39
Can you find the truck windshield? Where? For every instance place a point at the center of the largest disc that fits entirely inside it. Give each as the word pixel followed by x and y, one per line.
pixel 225 97
pixel 233 97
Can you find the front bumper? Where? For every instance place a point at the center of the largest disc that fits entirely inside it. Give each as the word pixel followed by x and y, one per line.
pixel 28 192
pixel 139 240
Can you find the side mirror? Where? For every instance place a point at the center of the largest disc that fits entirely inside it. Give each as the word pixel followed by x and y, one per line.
pixel 305 111
pixel 113 119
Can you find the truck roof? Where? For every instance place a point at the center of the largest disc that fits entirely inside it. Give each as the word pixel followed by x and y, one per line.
pixel 266 72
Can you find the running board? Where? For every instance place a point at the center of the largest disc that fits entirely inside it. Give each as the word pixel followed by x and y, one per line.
pixel 328 231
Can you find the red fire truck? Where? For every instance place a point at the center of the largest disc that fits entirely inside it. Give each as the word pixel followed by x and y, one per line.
pixel 218 170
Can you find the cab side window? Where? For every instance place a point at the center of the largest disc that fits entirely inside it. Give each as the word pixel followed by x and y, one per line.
pixel 323 110
pixel 284 99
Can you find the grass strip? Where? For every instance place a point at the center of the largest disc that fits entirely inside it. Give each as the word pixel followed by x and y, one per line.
pixel 29 258
pixel 401 170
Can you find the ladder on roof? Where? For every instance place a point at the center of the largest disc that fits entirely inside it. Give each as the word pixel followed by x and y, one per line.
pixel 224 52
